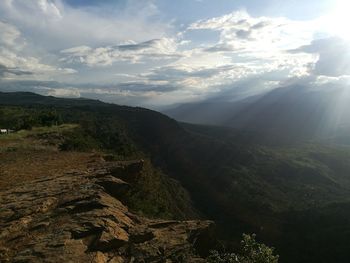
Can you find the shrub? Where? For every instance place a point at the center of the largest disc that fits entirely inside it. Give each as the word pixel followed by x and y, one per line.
pixel 77 140
pixel 251 252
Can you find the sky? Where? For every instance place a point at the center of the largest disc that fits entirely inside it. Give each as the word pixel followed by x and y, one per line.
pixel 156 53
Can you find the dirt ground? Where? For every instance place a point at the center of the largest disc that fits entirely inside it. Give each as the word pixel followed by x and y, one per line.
pixel 23 158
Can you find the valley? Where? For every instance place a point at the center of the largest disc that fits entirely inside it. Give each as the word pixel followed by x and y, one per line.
pixel 293 196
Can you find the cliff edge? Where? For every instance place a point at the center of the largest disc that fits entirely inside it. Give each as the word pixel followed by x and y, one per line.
pixel 78 216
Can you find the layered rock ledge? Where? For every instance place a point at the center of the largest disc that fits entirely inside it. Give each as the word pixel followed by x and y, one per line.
pixel 78 217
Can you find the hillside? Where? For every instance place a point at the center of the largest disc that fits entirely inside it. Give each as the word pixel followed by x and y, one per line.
pixel 289 114
pixel 243 187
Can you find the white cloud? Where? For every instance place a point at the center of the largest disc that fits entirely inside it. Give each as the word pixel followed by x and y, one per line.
pixel 259 51
pixel 14 58
pixel 55 25
pixel 333 56
pixel 131 52
pixel 68 92
pixel 94 36
pixel 155 49
pixel 9 35
pixel 242 32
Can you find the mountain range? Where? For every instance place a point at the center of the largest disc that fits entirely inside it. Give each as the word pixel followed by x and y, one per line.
pixel 259 169
pixel 289 113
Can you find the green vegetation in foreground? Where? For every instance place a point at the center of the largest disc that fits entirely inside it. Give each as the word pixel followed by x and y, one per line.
pixel 35 138
pixel 40 131
pixel 156 195
pixel 250 252
pixel 17 118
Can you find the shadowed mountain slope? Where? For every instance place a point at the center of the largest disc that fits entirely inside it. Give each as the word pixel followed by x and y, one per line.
pixel 244 187
pixel 291 114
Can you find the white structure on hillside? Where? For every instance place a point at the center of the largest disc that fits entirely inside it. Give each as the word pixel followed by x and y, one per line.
pixel 5 131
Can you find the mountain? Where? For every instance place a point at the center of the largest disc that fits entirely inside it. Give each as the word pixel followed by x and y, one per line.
pixel 29 98
pixel 215 112
pixel 292 196
pixel 285 114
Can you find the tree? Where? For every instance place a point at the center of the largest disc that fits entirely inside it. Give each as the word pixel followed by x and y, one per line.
pixel 251 252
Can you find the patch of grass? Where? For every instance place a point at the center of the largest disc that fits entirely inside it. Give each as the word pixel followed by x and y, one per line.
pixel 37 137
pixel 36 131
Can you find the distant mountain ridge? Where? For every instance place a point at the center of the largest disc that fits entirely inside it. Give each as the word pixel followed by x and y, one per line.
pixel 29 98
pixel 294 112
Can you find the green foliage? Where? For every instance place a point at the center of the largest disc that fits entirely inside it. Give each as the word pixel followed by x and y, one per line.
pixel 155 195
pixel 216 257
pixel 251 252
pixel 18 118
pixel 254 252
pixel 110 132
pixel 78 140
pixel 97 130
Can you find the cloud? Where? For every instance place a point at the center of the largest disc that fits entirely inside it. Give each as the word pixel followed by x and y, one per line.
pixel 36 31
pixel 178 73
pixel 222 47
pixel 9 35
pixel 54 25
pixel 132 93
pixel 68 92
pixel 21 65
pixel 251 53
pixel 155 49
pixel 203 82
pixel 130 53
pixel 14 58
pixel 237 24
pixel 146 87
pixel 333 56
pixel 12 71
pixel 47 88
pixel 247 33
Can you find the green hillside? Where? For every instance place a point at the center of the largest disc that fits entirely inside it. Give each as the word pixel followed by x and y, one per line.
pixel 292 197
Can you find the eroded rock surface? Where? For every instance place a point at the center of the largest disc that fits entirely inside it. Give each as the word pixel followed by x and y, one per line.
pixel 78 217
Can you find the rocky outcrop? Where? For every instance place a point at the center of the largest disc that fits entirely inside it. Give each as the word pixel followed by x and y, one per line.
pixel 78 217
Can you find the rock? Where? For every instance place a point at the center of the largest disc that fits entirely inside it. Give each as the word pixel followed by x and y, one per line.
pixel 79 217
pixel 111 238
pixel 142 236
pixel 114 186
pixel 128 171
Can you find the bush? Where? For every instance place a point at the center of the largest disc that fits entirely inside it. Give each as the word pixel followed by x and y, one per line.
pixel 77 140
pixel 251 252
pixel 17 118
